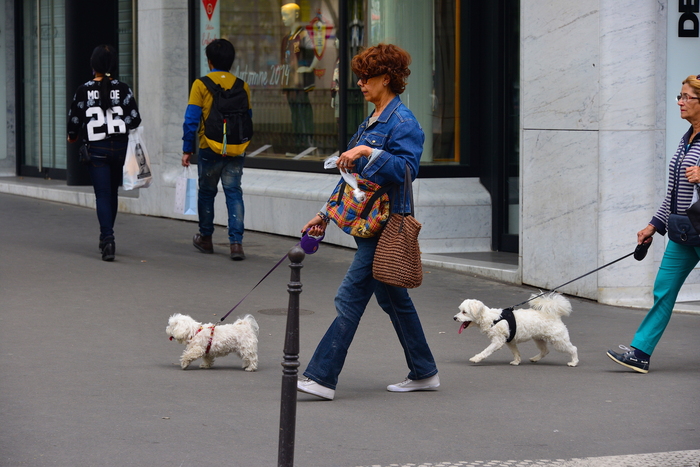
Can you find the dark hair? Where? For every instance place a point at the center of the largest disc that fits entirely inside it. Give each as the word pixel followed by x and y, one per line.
pixel 384 59
pixel 221 54
pixel 104 60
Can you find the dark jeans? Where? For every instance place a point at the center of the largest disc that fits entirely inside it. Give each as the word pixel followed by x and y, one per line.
pixel 212 168
pixel 106 167
pixel 354 293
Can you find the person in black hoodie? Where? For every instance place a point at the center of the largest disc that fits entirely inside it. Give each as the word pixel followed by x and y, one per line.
pixel 102 113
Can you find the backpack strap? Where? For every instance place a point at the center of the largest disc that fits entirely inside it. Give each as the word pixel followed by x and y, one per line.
pixel 212 86
pixel 209 83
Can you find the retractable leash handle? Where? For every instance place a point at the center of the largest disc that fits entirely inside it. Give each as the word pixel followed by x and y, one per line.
pixel 641 251
pixel 309 243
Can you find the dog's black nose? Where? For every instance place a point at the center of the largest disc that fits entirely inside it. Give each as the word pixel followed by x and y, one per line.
pixel 454 318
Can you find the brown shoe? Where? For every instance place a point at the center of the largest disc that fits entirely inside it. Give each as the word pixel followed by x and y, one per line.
pixel 237 252
pixel 203 243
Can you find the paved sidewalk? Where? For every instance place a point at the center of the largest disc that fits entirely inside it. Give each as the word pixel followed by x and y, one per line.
pixel 89 378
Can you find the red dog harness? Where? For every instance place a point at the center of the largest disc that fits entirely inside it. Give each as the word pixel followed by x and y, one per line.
pixel 211 337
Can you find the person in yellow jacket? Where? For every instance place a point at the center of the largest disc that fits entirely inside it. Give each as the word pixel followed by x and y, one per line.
pixel 212 165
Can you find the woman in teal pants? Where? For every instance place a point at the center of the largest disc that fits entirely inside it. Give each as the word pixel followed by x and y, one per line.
pixel 681 254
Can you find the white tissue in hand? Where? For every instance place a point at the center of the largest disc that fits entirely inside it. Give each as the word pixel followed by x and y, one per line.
pixel 330 162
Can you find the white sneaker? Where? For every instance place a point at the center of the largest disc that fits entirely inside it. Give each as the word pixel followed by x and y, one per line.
pixel 408 385
pixel 312 387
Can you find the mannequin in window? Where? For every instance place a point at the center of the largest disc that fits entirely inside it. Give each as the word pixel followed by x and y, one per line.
pixel 298 54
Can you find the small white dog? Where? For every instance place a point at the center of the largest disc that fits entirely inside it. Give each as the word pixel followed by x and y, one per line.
pixel 209 341
pixel 541 323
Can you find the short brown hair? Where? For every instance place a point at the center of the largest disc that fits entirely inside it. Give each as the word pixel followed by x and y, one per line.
pixel 384 59
pixel 694 82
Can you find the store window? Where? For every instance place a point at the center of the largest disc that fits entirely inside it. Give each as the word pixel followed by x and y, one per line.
pixel 44 77
pixel 289 57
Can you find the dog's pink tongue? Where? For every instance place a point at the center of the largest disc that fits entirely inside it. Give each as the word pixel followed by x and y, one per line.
pixel 463 327
pixel 171 337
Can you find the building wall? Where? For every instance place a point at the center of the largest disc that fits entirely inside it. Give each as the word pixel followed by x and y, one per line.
pixel 593 80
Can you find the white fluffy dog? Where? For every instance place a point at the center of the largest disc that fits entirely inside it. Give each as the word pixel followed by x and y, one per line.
pixel 541 323
pixel 209 341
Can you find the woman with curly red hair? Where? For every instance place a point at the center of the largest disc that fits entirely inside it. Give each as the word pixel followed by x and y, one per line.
pixel 385 143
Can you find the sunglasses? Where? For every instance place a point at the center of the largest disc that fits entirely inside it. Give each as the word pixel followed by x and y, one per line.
pixel 365 78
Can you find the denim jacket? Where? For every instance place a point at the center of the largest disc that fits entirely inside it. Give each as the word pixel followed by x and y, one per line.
pixel 396 139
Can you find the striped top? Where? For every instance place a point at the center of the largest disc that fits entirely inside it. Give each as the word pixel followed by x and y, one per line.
pixel 687 155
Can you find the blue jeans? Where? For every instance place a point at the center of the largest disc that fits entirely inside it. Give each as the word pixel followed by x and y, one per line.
pixel 677 263
pixel 106 168
pixel 350 302
pixel 211 168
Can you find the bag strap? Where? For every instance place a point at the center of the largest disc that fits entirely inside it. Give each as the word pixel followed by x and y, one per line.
pixel 341 190
pixel 370 202
pixel 212 86
pixel 408 189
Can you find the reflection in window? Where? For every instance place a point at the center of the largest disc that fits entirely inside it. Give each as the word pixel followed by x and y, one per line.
pixel 289 58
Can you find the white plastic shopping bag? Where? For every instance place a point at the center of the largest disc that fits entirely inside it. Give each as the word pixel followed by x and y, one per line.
pixel 137 165
pixel 186 194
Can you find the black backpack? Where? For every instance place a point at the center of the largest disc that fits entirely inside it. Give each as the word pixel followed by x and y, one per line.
pixel 229 110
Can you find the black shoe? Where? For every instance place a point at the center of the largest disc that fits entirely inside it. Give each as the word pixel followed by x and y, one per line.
pixel 108 248
pixel 630 360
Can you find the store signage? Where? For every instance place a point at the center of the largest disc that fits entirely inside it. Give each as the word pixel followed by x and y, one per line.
pixel 209 7
pixel 688 24
pixel 682 60
pixel 209 26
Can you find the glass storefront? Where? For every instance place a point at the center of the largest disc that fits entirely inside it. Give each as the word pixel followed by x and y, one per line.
pixel 46 87
pixel 44 90
pixel 463 86
pixel 289 56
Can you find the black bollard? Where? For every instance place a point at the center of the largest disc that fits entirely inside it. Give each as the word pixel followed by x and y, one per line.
pixel 288 408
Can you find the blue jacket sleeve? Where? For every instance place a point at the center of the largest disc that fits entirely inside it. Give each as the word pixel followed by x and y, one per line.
pixel 404 146
pixel 193 115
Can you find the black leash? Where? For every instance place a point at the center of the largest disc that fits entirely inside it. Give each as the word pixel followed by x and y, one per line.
pixel 507 314
pixel 259 282
pixel 639 253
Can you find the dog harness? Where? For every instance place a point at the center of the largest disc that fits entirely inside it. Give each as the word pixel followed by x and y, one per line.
pixel 509 317
pixel 211 338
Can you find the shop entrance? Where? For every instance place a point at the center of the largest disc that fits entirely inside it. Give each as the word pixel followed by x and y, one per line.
pixel 58 37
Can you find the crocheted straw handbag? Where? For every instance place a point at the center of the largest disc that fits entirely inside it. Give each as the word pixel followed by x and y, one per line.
pixel 397 257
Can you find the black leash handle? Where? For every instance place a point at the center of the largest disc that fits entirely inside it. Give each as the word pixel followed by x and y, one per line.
pixel 639 253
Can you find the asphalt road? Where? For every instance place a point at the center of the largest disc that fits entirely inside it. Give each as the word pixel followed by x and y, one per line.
pixel 89 378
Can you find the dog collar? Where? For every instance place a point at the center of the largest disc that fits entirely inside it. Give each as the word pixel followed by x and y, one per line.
pixel 509 317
